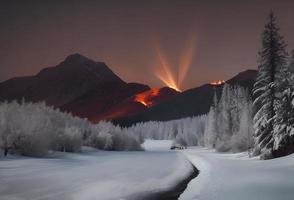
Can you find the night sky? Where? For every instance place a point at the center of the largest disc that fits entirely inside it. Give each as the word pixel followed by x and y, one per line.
pixel 125 35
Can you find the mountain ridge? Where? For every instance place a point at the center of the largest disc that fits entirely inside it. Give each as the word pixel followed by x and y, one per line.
pixel 91 90
pixel 189 103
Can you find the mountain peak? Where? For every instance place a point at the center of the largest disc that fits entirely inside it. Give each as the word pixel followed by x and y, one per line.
pixel 76 58
pixel 248 74
pixel 85 65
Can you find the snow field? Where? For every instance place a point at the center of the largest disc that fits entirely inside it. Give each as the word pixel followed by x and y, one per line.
pixel 93 175
pixel 225 176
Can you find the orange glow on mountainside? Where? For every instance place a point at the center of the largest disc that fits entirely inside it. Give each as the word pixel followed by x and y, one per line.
pixel 145 98
pixel 218 82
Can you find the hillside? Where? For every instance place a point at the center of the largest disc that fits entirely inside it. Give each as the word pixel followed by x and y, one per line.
pixel 192 102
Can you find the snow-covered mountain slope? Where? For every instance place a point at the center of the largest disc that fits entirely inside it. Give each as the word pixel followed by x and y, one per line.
pixel 93 175
pixel 235 176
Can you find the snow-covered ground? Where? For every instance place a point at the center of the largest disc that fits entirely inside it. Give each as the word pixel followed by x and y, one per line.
pixel 235 176
pixel 93 175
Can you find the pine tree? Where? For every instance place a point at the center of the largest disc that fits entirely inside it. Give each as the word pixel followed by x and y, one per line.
pixel 225 114
pixel 272 59
pixel 211 125
pixel 291 65
pixel 232 116
pixel 284 107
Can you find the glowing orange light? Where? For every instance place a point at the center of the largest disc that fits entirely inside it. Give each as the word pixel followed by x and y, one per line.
pixel 218 82
pixel 145 98
pixel 186 60
pixel 164 73
pixel 143 102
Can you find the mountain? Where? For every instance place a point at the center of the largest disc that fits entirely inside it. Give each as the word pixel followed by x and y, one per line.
pixel 58 85
pixel 245 79
pixel 89 89
pixel 85 88
pixel 78 85
pixel 192 102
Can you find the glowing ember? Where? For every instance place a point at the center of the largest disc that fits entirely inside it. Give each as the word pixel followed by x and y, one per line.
pixel 219 82
pixel 145 98
pixel 164 73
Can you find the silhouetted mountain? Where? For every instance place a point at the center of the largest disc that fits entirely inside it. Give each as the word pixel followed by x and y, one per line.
pixel 85 88
pixel 78 85
pixel 245 78
pixel 192 102
pixel 61 84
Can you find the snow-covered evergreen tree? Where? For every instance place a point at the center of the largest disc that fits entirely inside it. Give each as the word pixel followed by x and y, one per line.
pixel 225 118
pixel 272 59
pixel 243 139
pixel 233 120
pixel 284 108
pixel 187 131
pixel 211 131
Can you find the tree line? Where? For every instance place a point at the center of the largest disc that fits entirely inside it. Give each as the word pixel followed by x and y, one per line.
pixel 34 129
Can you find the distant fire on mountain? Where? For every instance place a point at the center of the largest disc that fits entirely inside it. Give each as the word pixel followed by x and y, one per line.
pixel 218 82
pixel 164 71
pixel 146 98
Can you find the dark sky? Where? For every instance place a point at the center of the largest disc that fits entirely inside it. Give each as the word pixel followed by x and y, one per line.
pixel 124 34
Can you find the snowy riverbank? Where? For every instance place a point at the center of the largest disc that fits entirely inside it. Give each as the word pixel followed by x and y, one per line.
pixel 235 176
pixel 94 175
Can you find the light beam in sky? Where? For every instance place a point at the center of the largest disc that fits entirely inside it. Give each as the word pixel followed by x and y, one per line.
pixel 185 60
pixel 164 72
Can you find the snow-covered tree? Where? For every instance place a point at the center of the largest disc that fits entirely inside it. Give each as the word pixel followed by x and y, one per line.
pixel 228 125
pixel 225 118
pixel 34 128
pixel 229 122
pixel 272 59
pixel 284 108
pixel 210 134
pixel 186 131
pixel 243 139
